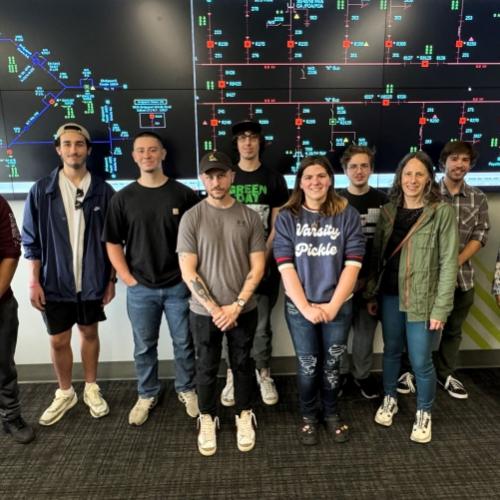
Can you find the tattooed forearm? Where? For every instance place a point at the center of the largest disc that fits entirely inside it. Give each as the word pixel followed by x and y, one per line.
pixel 201 290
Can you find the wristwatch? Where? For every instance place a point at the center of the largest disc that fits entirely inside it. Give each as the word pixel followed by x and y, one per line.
pixel 241 302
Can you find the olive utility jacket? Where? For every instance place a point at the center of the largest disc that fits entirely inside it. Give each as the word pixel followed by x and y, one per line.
pixel 428 264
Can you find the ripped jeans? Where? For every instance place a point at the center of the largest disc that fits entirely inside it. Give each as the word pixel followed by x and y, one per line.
pixel 319 349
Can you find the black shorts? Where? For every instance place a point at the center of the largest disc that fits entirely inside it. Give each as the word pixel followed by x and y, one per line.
pixel 61 316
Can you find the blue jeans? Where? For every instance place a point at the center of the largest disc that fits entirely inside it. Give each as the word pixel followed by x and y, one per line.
pixel 319 349
pixel 145 307
pixel 420 340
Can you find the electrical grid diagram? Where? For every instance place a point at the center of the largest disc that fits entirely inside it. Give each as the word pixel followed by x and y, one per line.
pixel 399 75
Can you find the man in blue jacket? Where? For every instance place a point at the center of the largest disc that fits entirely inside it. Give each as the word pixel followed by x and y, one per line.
pixel 71 279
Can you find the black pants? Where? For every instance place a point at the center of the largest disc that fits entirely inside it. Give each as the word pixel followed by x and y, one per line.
pixel 9 390
pixel 208 345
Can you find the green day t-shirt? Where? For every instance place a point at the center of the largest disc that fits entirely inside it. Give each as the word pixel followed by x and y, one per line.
pixel 261 190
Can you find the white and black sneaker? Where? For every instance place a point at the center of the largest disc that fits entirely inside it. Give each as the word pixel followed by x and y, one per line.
pixel 453 387
pixel 406 383
pixel 386 411
pixel 422 428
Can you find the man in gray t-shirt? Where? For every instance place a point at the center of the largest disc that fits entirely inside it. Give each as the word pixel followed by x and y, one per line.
pixel 221 249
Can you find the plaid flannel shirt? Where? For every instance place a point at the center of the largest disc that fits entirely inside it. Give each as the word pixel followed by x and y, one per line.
pixel 471 208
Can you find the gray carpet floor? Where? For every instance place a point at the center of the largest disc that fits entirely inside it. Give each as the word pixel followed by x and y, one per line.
pixel 81 457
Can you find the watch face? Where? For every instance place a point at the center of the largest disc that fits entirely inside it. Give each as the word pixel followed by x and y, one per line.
pixel 241 302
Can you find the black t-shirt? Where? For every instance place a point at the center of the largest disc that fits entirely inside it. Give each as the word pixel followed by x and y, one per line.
pixel 405 218
pixel 146 220
pixel 368 205
pixel 262 190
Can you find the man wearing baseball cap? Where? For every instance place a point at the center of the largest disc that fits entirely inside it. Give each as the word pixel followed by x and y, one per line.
pixel 71 279
pixel 221 251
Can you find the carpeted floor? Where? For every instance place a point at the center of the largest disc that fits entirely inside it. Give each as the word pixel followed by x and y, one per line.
pixel 81 457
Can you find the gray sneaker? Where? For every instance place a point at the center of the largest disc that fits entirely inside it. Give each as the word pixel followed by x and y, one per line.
pixel 190 401
pixel 58 408
pixel 92 397
pixel 140 412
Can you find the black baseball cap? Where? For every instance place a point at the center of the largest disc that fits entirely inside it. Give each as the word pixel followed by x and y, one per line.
pixel 246 126
pixel 215 160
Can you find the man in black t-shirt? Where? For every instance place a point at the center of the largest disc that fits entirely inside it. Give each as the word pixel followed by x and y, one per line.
pixel 144 218
pixel 264 190
pixel 357 162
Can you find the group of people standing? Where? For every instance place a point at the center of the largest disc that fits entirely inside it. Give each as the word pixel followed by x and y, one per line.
pixel 212 268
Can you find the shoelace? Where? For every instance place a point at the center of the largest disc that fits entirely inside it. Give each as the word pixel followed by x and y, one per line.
pixel 455 384
pixel 422 419
pixel 94 394
pixel 267 384
pixel 408 380
pixel 245 423
pixel 207 426
pixel 388 402
pixel 144 403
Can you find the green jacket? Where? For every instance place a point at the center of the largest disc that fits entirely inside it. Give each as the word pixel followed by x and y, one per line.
pixel 428 264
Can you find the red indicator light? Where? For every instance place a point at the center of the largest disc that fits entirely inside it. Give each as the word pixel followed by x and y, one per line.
pixel 290 44
pixel 247 44
pixel 346 44
pixel 386 102
pixel 424 64
pixel 422 120
pixel 214 122
pixel 210 44
pixel 298 122
pixel 388 44
pixel 459 44
pixel 221 84
pixel 462 120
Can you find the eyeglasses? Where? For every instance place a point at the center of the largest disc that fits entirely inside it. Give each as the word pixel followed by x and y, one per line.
pixel 361 166
pixel 79 198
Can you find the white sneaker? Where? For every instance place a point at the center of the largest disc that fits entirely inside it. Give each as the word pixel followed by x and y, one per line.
pixel 422 428
pixel 92 397
pixel 267 388
pixel 140 412
pixel 386 411
pixel 207 435
pixel 58 408
pixel 190 400
pixel 245 433
pixel 227 394
pixel 406 383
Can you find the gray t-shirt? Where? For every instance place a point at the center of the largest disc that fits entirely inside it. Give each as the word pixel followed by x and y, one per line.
pixel 223 239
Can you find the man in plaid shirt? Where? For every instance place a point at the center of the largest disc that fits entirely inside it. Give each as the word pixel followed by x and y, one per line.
pixel 471 207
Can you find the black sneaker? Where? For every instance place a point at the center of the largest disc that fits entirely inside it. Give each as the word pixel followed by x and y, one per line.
pixel 453 387
pixel 20 431
pixel 308 432
pixel 337 428
pixel 368 386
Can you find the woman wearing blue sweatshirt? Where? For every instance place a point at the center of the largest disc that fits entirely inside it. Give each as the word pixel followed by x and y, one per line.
pixel 319 247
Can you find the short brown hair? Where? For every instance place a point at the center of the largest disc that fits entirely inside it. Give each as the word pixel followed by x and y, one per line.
pixel 458 147
pixel 354 149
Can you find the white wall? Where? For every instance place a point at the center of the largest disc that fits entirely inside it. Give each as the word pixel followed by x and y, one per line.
pixel 115 333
